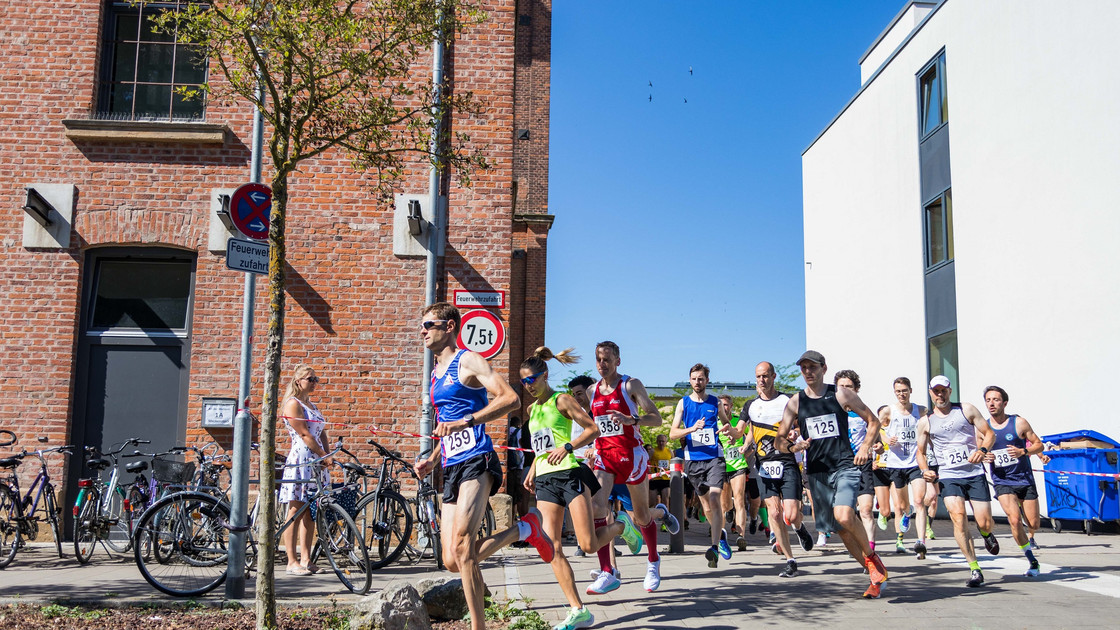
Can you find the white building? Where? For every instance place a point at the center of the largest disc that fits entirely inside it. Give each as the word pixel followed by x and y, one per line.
pixel 960 211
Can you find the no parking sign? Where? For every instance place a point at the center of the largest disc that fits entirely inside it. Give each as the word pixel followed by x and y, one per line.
pixel 482 332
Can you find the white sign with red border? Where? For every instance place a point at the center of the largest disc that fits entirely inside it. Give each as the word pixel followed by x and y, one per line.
pixel 482 332
pixel 485 299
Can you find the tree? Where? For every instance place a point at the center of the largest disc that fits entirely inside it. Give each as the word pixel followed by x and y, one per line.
pixel 325 75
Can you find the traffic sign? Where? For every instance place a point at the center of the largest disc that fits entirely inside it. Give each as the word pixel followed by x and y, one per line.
pixel 249 209
pixel 490 299
pixel 482 332
pixel 248 256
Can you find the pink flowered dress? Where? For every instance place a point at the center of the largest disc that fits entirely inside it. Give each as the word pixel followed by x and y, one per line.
pixel 300 454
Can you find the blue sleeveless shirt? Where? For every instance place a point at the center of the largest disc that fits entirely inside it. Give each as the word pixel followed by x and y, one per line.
pixel 703 444
pixel 1008 471
pixel 453 400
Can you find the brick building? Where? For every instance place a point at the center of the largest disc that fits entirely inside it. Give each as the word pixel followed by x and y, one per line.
pixel 121 316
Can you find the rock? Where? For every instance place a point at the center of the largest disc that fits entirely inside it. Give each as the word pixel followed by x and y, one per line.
pixel 502 504
pixel 444 597
pixel 397 607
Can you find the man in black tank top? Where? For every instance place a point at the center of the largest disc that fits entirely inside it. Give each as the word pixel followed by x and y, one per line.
pixel 830 467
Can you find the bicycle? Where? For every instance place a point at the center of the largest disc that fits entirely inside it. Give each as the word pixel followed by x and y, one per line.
pixel 101 511
pixel 19 515
pixel 189 538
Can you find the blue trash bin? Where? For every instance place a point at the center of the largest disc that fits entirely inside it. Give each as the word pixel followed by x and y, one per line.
pixel 1084 498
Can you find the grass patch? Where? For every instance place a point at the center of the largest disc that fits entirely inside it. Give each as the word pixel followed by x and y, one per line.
pixel 504 611
pixel 57 611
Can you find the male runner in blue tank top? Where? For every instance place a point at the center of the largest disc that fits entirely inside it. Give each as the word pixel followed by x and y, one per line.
pixel 832 469
pixel 462 383
pixel 1010 462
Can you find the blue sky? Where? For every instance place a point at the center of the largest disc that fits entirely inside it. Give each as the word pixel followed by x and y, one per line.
pixel 678 230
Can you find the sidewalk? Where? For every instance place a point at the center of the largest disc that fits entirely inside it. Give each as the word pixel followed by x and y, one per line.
pixel 1080 586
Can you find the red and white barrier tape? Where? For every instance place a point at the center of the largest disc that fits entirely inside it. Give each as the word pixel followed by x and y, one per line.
pixel 1071 472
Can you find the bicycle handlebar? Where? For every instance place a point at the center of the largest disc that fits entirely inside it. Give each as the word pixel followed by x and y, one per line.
pixel 4 433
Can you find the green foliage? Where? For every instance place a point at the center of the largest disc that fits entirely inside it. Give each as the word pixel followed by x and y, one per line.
pixel 526 619
pixel 786 377
pixel 55 611
pixel 562 385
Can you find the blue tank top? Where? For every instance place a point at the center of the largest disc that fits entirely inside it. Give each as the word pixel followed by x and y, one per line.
pixel 703 444
pixel 453 400
pixel 1006 470
pixel 857 431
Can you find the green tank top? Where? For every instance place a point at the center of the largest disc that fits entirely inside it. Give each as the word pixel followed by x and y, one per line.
pixel 549 429
pixel 731 455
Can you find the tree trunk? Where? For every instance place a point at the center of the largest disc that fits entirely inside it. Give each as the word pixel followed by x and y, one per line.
pixel 266 518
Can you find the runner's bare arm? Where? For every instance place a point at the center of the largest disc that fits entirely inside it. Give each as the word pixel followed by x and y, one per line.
pixel 637 393
pixel 475 371
pixel 726 427
pixel 676 431
pixel 985 439
pixel 789 417
pixel 923 444
pixel 851 400
pixel 571 410
pixel 884 421
pixel 1025 430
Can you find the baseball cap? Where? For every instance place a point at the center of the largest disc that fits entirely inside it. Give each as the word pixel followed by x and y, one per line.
pixel 811 355
pixel 940 381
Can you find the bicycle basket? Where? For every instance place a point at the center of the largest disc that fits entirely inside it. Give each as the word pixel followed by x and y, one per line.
pixel 171 471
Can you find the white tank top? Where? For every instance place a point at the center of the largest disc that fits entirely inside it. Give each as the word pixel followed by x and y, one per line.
pixel 904 426
pixel 954 439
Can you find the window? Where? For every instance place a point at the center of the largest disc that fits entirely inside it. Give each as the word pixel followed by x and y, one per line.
pixel 939 229
pixel 142 67
pixel 943 356
pixel 143 294
pixel 934 103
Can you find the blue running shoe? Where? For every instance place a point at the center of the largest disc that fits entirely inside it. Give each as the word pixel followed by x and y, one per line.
pixel 906 522
pixel 669 522
pixel 724 548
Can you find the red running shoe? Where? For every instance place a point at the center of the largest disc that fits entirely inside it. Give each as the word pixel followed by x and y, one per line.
pixel 537 538
pixel 873 591
pixel 876 569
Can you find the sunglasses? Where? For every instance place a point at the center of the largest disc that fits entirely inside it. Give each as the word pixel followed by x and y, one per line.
pixel 529 380
pixel 311 379
pixel 433 323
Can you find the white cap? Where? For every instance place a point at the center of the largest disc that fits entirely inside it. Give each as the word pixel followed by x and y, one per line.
pixel 940 381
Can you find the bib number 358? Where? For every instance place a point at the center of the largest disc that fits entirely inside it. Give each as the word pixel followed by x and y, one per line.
pixel 608 426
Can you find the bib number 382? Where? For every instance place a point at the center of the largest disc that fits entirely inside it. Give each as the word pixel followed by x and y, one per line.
pixel 608 426
pixel 459 442
pixel 821 427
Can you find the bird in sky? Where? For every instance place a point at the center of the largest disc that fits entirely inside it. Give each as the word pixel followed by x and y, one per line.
pixel 651 98
pixel 686 100
pixel 690 69
pixel 651 83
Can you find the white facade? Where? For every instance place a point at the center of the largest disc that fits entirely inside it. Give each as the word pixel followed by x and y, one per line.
pixel 1034 134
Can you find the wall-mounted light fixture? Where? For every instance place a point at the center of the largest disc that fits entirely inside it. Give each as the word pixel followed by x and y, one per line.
pixel 39 208
pixel 223 212
pixel 416 220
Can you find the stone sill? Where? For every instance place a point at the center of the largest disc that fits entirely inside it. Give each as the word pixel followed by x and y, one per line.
pixel 144 131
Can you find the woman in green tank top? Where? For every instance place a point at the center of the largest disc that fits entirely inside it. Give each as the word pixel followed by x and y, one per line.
pixel 558 478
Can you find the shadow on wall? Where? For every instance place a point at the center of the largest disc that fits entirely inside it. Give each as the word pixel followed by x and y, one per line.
pixel 308 298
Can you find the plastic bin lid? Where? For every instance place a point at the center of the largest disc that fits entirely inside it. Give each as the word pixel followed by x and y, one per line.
pixel 1079 435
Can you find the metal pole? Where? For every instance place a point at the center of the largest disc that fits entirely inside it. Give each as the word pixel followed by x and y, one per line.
pixel 676 503
pixel 435 233
pixel 242 424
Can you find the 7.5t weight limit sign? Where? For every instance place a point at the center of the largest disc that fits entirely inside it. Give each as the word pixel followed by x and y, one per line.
pixel 482 332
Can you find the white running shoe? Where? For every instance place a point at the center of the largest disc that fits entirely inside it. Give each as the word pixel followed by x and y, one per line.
pixel 822 540
pixel 605 583
pixel 653 576
pixel 595 573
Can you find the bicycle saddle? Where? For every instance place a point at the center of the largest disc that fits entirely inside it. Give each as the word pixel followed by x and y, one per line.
pixel 136 467
pixel 99 464
pixel 9 462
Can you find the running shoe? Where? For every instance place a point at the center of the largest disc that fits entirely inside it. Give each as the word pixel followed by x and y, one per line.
pixel 605 583
pixel 805 538
pixel 537 538
pixel 905 523
pixel 1034 545
pixel 579 552
pixel 776 548
pixel 614 571
pixel 630 533
pixel 577 618
pixel 822 539
pixel 653 576
pixel 668 521
pixel 701 518
pixel 991 544
pixel 881 521
pixel 724 549
pixel 899 545
pixel 875 568
pixel 754 526
pixel 790 569
pixel 712 556
pixel 773 538
pixel 1034 570
pixel 929 532
pixel 873 591
pixel 977 579
pixel 741 543
pixel 920 550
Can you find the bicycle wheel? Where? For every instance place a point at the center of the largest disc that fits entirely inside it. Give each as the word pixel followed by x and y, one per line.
pixel 386 525
pixel 187 542
pixel 120 521
pixel 86 525
pixel 342 543
pixel 50 505
pixel 10 510
pixel 487 527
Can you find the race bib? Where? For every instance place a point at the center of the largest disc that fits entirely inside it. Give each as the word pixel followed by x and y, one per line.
pixel 732 454
pixel 608 427
pixel 1004 459
pixel 771 470
pixel 543 441
pixel 821 427
pixel 458 443
pixel 704 437
pixel 955 456
pixel 663 464
pixel 908 436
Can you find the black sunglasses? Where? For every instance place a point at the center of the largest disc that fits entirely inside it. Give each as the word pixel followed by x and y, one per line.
pixel 311 379
pixel 433 323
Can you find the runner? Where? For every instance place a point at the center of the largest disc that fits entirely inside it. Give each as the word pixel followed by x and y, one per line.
pixel 697 421
pixel 659 481
pixel 880 476
pixel 831 468
pixel 619 404
pixel 952 430
pixel 578 388
pixel 462 382
pixel 857 433
pixel 1011 470
pixel 901 437
pixel 735 452
pixel 558 479
pixel 778 472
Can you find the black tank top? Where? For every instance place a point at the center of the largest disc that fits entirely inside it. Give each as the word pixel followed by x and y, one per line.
pixel 825 424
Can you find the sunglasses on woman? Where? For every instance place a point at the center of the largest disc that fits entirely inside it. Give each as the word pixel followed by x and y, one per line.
pixel 311 379
pixel 532 378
